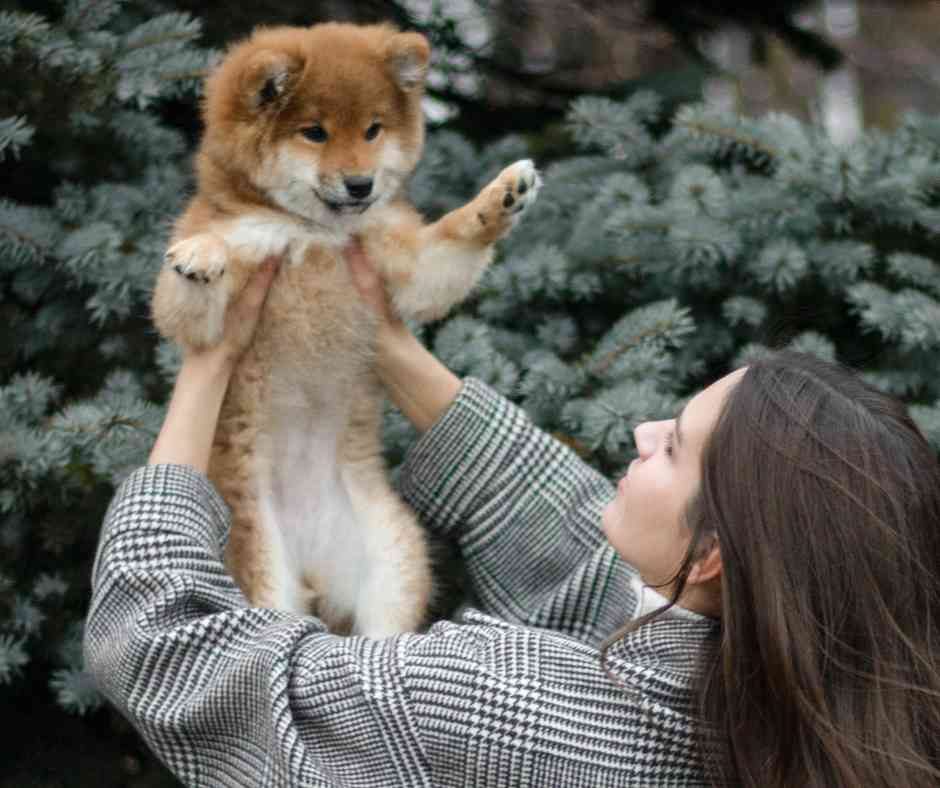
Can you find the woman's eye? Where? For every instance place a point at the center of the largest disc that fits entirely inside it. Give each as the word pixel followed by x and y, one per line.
pixel 668 445
pixel 315 133
pixel 373 131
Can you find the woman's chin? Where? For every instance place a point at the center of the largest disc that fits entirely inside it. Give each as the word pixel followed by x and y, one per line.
pixel 609 518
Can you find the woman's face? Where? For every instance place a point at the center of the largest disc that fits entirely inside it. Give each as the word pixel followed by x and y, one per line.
pixel 644 521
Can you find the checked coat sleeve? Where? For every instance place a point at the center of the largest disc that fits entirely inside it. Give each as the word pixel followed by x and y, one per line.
pixel 225 694
pixel 526 513
pixel 229 695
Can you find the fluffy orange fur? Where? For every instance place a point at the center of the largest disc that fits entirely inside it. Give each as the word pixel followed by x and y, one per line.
pixel 310 136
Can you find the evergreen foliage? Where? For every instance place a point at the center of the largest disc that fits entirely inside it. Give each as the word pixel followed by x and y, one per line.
pixel 660 255
pixel 92 176
pixel 669 250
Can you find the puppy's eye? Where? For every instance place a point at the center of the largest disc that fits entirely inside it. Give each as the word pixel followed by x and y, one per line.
pixel 373 131
pixel 315 133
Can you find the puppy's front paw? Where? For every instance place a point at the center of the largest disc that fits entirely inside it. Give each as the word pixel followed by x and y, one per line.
pixel 201 258
pixel 508 196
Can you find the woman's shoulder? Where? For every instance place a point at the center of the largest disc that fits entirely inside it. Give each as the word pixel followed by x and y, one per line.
pixel 664 653
pixel 506 691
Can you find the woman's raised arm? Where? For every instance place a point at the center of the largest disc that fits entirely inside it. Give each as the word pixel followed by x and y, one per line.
pixel 417 383
pixel 189 427
pixel 523 508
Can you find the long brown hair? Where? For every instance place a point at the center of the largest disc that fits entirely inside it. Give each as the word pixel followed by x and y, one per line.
pixel 824 499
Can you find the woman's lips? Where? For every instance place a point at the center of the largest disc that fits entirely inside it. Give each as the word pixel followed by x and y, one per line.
pixel 622 484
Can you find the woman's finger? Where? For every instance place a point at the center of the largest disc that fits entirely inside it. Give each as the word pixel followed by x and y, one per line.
pixel 262 278
pixel 365 277
pixel 368 281
pixel 252 296
pixel 245 310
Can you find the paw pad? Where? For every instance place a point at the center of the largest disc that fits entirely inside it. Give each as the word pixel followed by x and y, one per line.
pixel 198 259
pixel 194 276
pixel 521 183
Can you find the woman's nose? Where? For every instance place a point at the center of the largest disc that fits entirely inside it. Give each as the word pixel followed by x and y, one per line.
pixel 644 435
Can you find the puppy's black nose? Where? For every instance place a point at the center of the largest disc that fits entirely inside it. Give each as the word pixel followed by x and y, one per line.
pixel 358 186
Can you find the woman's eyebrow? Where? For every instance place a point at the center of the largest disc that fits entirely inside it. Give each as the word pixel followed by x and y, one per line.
pixel 679 428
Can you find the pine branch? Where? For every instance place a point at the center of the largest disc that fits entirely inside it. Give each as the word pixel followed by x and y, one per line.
pixel 180 76
pixel 23 32
pixel 100 429
pixel 75 691
pixel 663 324
pixel 704 125
pixel 15 133
pixel 13 658
pixel 27 234
pixel 85 15
pixel 165 29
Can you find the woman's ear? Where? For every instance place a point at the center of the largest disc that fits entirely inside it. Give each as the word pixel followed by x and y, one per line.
pixel 407 56
pixel 268 77
pixel 707 568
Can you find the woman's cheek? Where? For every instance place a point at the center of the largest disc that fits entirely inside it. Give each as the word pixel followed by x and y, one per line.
pixel 613 518
pixel 609 516
pixel 614 527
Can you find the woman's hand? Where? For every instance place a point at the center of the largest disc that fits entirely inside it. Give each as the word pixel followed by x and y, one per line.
pixel 189 427
pixel 371 288
pixel 415 380
pixel 241 319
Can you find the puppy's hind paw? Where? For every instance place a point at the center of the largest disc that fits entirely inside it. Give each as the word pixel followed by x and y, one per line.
pixel 201 258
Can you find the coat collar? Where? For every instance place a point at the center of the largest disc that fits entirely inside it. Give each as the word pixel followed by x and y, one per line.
pixel 663 657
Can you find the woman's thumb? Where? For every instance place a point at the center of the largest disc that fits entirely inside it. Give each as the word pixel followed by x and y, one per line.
pixel 364 275
pixel 260 281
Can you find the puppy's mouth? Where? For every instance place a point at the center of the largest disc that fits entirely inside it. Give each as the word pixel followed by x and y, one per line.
pixel 346 206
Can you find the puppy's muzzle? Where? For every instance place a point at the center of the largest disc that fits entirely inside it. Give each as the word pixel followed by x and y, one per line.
pixel 358 186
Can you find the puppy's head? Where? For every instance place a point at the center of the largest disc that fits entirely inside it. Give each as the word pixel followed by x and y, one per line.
pixel 325 121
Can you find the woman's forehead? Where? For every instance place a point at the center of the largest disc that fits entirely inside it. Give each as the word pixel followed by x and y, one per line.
pixel 702 410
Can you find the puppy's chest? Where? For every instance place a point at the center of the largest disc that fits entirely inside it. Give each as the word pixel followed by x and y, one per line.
pixel 313 314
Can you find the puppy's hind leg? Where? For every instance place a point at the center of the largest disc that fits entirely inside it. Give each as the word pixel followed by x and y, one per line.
pixel 257 560
pixel 395 587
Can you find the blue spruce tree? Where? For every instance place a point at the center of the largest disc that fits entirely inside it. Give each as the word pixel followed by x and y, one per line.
pixel 672 249
pixel 91 175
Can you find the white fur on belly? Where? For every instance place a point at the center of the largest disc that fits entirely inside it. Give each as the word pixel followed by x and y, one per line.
pixel 306 510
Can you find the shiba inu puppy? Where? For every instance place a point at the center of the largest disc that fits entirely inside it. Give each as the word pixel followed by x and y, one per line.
pixel 310 135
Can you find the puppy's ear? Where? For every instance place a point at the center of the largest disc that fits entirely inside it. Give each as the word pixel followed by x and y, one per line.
pixel 268 78
pixel 407 56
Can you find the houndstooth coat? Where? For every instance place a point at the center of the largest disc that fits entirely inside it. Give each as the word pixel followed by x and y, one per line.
pixel 514 695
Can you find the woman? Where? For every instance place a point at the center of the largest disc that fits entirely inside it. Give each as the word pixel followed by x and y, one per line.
pixel 788 518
